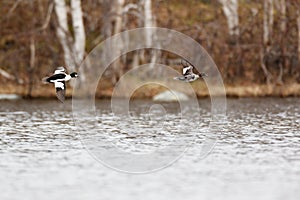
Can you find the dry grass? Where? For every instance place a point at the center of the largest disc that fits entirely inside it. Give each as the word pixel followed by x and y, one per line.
pixel 256 90
pixel 148 91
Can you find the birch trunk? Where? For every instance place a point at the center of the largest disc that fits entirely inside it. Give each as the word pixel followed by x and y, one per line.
pixel 268 21
pixel 265 23
pixel 107 19
pixel 74 48
pixel 62 31
pixel 230 9
pixel 31 66
pixel 79 34
pixel 148 21
pixel 118 19
pixel 283 15
pixel 282 8
pixel 271 18
pixel 5 74
pixel 117 66
pixel 298 25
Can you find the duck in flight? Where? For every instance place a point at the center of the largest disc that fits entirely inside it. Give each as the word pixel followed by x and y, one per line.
pixel 59 79
pixel 187 73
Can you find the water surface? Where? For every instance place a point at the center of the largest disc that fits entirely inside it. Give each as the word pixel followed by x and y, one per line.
pixel 257 157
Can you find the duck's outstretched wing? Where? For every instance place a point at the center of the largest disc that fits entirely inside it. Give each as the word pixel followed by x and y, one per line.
pixel 60 87
pixel 59 75
pixel 59 70
pixel 187 78
pixel 56 77
pixel 187 68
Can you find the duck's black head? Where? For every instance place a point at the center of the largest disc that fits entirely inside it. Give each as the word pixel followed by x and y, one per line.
pixel 74 75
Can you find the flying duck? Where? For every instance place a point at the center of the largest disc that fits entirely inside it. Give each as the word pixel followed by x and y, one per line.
pixel 59 79
pixel 188 74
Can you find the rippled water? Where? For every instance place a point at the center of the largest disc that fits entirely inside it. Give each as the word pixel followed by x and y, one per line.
pixel 257 157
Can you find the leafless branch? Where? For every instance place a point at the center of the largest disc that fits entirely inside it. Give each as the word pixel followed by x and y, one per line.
pixel 32 53
pixel 129 7
pixel 11 10
pixel 5 74
pixel 48 17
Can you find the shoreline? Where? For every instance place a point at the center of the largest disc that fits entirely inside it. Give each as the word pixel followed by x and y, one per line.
pixel 201 91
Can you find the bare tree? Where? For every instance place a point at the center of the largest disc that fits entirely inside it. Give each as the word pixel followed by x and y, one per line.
pixel 117 48
pixel 79 34
pixel 268 20
pixel 148 20
pixel 113 16
pixel 62 31
pixel 149 34
pixel 115 20
pixel 6 75
pixel 31 66
pixel 73 47
pixel 298 25
pixel 283 64
pixel 230 9
pixel 107 18
pixel 282 7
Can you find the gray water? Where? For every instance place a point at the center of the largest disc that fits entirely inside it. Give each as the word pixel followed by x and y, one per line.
pixel 257 157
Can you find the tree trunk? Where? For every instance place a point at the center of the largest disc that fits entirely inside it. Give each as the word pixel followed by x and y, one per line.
pixel 267 74
pixel 230 9
pixel 74 48
pixel 148 21
pixel 298 25
pixel 283 16
pixel 117 66
pixel 107 19
pixel 79 34
pixel 5 74
pixel 283 64
pixel 118 16
pixel 271 16
pixel 31 67
pixel 268 20
pixel 63 33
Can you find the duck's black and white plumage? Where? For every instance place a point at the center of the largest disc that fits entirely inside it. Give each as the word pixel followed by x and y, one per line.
pixel 187 73
pixel 59 79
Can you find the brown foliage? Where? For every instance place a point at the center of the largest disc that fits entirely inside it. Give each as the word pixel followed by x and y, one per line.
pixel 238 58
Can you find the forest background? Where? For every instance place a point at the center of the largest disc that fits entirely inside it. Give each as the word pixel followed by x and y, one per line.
pixel 254 43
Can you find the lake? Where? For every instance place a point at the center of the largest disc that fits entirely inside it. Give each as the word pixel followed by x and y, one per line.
pixel 256 156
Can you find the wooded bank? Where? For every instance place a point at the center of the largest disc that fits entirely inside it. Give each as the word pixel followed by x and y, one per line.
pixel 255 44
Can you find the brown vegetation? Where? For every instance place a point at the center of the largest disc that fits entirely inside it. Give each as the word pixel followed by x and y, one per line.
pixel 250 65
